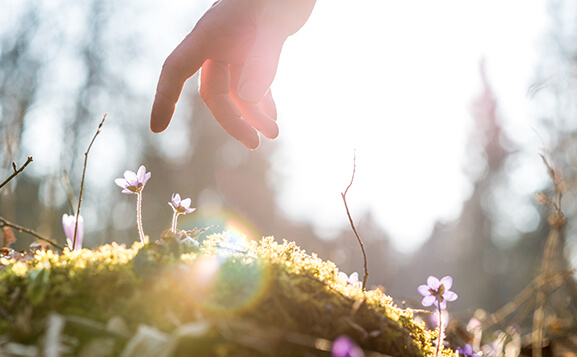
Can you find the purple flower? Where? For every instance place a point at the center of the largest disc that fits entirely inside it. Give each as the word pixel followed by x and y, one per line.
pixel 345 347
pixel 133 182
pixel 353 279
pixel 181 206
pixel 437 292
pixel 468 351
pixel 69 224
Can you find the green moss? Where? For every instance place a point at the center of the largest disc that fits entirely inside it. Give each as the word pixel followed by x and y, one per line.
pixel 220 297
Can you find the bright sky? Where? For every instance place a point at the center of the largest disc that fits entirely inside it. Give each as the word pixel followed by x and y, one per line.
pixel 393 81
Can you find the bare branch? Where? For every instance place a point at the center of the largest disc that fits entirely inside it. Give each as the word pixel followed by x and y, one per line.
pixel 16 171
pixel 6 223
pixel 83 176
pixel 343 195
pixel 556 222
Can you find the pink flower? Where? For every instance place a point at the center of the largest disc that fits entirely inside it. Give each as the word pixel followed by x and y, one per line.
pixel 181 206
pixel 437 292
pixel 133 182
pixel 69 225
pixel 345 347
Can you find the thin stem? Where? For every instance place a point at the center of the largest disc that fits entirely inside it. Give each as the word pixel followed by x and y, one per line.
pixel 139 217
pixel 440 338
pixel 16 171
pixel 343 195
pixel 5 223
pixel 83 176
pixel 174 218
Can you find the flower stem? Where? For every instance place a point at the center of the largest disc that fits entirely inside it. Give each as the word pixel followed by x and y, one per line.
pixel 174 218
pixel 440 338
pixel 139 217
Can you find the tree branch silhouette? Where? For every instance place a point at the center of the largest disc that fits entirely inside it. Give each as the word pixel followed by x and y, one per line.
pixel 344 196
pixel 83 176
pixel 16 171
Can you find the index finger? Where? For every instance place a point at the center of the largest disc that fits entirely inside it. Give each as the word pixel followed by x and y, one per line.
pixel 181 64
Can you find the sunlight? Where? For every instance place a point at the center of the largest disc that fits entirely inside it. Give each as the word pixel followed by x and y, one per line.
pixel 396 85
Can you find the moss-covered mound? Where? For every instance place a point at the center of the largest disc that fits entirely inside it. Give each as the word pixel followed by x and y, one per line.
pixel 207 297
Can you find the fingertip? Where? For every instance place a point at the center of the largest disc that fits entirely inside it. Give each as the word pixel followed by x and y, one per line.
pixel 268 106
pixel 161 114
pixel 271 130
pixel 251 143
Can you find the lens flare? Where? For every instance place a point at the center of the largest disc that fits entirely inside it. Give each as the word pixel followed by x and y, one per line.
pixel 230 281
pixel 225 285
pixel 222 221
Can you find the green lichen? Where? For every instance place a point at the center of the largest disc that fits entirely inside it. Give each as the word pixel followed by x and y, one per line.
pixel 217 297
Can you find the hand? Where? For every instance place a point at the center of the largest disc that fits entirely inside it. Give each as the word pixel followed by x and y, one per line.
pixel 237 43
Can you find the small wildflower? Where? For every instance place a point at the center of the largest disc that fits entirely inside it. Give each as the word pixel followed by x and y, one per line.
pixel 133 182
pixel 69 225
pixel 353 279
pixel 468 351
pixel 345 347
pixel 179 207
pixel 437 292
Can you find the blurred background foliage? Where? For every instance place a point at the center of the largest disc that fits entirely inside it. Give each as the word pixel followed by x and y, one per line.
pixel 58 77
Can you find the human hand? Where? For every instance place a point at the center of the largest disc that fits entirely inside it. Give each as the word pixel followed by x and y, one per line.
pixel 237 43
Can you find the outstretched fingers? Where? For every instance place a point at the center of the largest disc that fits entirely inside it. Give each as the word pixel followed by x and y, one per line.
pixel 214 91
pixel 182 64
pixel 268 106
pixel 260 66
pixel 252 113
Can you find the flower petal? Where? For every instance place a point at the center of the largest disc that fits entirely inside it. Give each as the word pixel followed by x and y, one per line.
pixel 345 347
pixel 447 282
pixel 450 296
pixel 121 182
pixel 354 278
pixel 176 199
pixel 141 173
pixel 433 282
pixel 68 225
pixel 146 178
pixel 131 178
pixel 186 203
pixel 428 300
pixel 424 290
pixel 80 233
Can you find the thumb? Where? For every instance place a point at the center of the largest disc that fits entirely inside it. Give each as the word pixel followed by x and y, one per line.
pixel 260 66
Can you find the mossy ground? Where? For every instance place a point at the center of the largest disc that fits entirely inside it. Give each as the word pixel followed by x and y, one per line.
pixel 214 297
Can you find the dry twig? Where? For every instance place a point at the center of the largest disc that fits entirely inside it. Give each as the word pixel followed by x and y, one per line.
pixel 556 222
pixel 6 223
pixel 16 171
pixel 343 195
pixel 83 176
